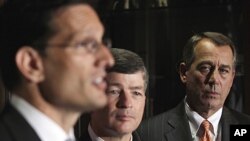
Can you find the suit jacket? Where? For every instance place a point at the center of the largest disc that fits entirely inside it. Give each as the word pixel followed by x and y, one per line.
pixel 85 136
pixel 13 127
pixel 173 125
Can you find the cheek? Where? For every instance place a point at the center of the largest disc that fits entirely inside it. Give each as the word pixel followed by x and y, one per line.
pixel 111 107
pixel 81 63
pixel 79 71
pixel 112 101
pixel 226 86
pixel 104 114
pixel 140 108
pixel 195 81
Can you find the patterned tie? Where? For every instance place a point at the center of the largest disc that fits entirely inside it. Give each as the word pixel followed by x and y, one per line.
pixel 205 136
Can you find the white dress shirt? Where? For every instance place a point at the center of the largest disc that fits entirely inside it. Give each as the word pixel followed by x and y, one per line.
pixel 45 127
pixel 94 137
pixel 195 121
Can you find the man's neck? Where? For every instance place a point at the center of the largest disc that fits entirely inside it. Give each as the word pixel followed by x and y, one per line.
pixel 206 114
pixel 202 110
pixel 98 133
pixel 61 116
pixel 126 137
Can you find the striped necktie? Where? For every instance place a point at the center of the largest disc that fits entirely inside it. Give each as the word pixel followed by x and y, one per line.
pixel 205 135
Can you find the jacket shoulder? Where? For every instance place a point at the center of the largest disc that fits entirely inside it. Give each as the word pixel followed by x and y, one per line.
pixel 155 128
pixel 4 134
pixel 238 117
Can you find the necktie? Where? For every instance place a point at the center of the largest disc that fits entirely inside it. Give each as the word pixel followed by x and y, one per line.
pixel 205 136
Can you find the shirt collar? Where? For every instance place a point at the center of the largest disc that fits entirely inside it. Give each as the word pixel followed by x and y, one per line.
pixel 215 119
pixel 45 127
pixel 94 137
pixel 92 134
pixel 196 119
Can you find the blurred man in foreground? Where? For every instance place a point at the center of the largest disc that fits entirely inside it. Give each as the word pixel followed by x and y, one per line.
pixel 53 62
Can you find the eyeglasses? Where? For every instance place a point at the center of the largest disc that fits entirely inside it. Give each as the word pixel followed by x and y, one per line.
pixel 91 45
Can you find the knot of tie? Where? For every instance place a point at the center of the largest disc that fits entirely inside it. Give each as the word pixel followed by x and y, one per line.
pixel 206 126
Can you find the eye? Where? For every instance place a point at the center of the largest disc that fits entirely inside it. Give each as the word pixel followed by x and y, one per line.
pixel 136 93
pixel 205 69
pixel 90 45
pixel 224 70
pixel 113 92
pixel 107 42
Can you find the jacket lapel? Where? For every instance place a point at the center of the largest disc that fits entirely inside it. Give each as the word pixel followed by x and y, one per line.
pixel 136 137
pixel 227 119
pixel 17 126
pixel 85 137
pixel 177 125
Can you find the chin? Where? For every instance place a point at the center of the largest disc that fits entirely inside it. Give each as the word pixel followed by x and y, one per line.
pixel 212 105
pixel 124 131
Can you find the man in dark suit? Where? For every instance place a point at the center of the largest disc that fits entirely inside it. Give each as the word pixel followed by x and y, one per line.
pixel 127 82
pixel 207 70
pixel 53 63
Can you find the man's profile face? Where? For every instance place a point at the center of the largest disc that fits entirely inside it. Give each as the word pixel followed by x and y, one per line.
pixel 75 60
pixel 210 76
pixel 126 101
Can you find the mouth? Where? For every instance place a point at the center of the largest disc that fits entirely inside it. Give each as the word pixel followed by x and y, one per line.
pixel 124 117
pixel 212 93
pixel 100 83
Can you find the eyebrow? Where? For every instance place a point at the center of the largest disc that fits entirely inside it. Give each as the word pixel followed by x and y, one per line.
pixel 68 39
pixel 73 37
pixel 114 84
pixel 205 62
pixel 225 66
pixel 136 88
pixel 212 64
pixel 131 87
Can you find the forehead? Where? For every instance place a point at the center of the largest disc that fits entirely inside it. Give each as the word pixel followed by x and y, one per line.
pixel 76 18
pixel 208 51
pixel 128 79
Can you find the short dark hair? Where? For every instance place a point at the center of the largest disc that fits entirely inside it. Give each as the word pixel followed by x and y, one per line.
pixel 216 38
pixel 128 62
pixel 25 22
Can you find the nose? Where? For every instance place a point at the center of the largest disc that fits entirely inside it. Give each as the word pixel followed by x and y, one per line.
pixel 125 101
pixel 105 58
pixel 214 77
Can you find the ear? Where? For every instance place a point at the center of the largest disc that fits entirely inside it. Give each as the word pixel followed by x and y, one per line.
pixel 30 65
pixel 182 72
